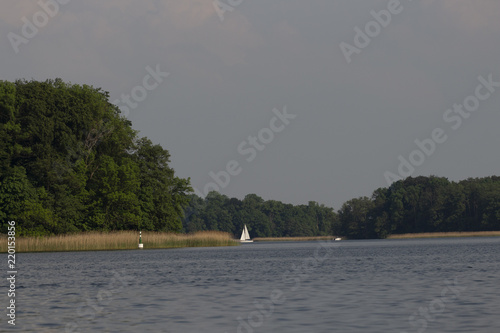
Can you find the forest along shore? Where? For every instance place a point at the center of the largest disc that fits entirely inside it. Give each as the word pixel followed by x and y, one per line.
pixel 120 240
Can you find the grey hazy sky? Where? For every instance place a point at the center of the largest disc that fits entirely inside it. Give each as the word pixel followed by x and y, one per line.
pixel 353 119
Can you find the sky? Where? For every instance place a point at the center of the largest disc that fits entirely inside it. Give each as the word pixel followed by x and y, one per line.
pixel 296 101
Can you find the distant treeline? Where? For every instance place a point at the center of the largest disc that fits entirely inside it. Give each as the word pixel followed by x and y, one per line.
pixel 421 204
pixel 424 204
pixel 263 218
pixel 69 162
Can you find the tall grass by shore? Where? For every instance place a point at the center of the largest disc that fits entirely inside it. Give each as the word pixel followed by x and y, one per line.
pixel 120 240
pixel 446 234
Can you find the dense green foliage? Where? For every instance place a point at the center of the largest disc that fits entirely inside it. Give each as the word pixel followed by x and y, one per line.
pixel 263 218
pixel 69 162
pixel 422 204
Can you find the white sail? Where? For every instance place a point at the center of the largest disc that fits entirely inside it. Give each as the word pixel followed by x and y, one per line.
pixel 245 236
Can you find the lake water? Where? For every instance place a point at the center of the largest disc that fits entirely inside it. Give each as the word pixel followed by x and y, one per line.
pixel 428 285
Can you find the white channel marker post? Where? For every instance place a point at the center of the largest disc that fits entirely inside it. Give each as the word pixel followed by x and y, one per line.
pixel 140 240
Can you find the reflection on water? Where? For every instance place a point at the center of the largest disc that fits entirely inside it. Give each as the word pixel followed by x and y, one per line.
pixel 434 285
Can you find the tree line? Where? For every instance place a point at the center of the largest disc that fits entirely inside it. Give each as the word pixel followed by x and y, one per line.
pixel 421 204
pixel 70 162
pixel 263 218
pixel 424 204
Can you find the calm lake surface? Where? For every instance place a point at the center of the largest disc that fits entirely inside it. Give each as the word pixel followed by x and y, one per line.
pixel 426 285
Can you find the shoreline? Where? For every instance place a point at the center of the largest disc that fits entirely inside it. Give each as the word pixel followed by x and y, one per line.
pixel 450 234
pixel 129 240
pixel 294 239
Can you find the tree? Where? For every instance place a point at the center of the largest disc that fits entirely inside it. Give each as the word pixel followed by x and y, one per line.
pixel 79 164
pixel 356 219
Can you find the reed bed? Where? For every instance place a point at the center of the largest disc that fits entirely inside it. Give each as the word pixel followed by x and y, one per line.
pixel 291 239
pixel 446 234
pixel 120 240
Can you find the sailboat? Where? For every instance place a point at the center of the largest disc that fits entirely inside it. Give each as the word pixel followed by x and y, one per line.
pixel 245 237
